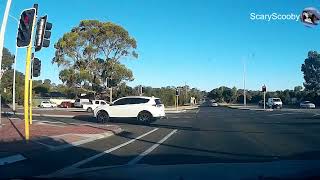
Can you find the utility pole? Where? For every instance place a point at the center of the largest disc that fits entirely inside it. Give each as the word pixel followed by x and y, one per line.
pixel 244 84
pixel 186 93
pixel 2 31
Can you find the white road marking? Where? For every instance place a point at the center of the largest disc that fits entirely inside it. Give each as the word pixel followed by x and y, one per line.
pixel 11 159
pixel 73 167
pixel 149 150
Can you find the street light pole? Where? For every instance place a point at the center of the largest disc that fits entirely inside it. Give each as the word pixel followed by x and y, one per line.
pixel 14 72
pixel 2 31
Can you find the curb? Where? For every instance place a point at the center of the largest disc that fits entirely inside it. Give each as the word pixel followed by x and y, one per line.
pixel 49 115
pixel 241 108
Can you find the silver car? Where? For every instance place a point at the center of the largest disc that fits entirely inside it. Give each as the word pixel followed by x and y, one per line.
pixel 307 105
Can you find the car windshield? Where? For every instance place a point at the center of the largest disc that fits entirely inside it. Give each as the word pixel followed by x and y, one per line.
pixel 159 89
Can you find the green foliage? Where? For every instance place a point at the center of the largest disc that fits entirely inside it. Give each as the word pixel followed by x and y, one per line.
pixel 7 60
pixel 311 72
pixel 91 52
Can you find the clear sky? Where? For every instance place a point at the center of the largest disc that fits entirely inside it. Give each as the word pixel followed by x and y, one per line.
pixel 203 43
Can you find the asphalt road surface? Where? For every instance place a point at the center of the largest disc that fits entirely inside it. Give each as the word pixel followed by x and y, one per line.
pixel 196 140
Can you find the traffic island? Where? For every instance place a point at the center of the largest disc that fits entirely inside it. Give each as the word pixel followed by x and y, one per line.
pixel 47 136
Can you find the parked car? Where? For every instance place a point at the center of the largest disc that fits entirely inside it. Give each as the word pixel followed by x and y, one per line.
pixel 274 103
pixel 94 104
pixel 47 104
pixel 80 102
pixel 145 109
pixel 307 105
pixel 65 104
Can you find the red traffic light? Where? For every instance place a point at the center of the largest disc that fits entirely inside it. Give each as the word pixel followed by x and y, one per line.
pixel 25 27
pixel 26 20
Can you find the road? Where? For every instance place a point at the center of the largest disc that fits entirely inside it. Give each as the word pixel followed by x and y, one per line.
pixel 207 136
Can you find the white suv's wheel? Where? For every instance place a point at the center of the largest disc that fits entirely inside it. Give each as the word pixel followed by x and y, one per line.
pixel 144 117
pixel 89 109
pixel 103 116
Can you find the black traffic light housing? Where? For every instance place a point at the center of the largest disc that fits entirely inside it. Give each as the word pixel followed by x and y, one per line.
pixel 43 33
pixel 36 67
pixel 111 82
pixel 25 27
pixel 177 92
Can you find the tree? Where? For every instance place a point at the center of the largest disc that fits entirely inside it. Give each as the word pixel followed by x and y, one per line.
pixel 91 52
pixel 7 60
pixel 298 88
pixel 47 82
pixel 6 80
pixel 311 72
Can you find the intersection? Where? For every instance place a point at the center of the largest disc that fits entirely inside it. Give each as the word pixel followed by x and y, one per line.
pixel 196 137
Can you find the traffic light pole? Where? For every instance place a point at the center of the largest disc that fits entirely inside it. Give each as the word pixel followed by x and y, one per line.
pixel 30 95
pixel 264 100
pixel 26 85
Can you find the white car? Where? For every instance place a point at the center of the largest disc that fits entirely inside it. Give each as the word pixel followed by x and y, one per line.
pixel 307 104
pixel 214 103
pixel 94 104
pixel 274 103
pixel 47 104
pixel 145 109
pixel 80 102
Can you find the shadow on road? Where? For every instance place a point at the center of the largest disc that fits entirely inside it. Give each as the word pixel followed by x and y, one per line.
pixel 41 161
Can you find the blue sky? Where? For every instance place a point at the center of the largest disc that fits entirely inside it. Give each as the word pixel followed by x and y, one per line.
pixel 199 42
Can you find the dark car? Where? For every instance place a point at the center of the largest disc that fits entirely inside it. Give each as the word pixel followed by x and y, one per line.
pixel 65 104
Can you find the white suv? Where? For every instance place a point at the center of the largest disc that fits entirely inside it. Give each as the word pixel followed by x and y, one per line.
pixel 143 108
pixel 274 103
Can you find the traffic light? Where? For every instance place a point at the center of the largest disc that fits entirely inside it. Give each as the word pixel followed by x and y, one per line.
pixel 36 67
pixel 25 27
pixel 111 82
pixel 43 33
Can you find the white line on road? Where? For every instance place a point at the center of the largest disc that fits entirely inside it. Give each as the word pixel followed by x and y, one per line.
pixel 11 159
pixel 149 150
pixel 282 114
pixel 74 166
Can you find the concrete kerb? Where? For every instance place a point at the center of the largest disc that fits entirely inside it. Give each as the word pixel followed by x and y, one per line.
pixel 247 108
